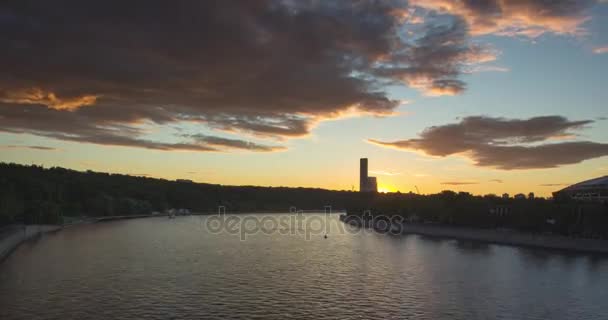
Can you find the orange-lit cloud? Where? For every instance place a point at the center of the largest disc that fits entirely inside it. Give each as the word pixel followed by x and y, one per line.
pixel 527 18
pixel 47 98
pixel 407 15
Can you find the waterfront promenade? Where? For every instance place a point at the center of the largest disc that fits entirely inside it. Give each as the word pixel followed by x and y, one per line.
pixel 507 237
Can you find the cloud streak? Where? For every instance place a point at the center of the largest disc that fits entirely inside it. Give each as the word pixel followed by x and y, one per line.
pixel 234 143
pixel 600 50
pixel 43 148
pixel 459 183
pixel 505 143
pixel 385 173
pixel 554 184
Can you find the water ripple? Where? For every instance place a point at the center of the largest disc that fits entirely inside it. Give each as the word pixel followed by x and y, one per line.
pixel 173 269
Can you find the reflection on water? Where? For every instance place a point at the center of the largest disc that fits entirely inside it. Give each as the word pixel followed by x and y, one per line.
pixel 174 268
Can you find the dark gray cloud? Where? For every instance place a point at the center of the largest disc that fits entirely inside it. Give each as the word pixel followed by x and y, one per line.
pixel 95 71
pixel 234 143
pixel 433 60
pixel 506 143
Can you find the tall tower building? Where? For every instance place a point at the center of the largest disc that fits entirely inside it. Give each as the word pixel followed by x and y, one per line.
pixel 363 174
pixel 366 183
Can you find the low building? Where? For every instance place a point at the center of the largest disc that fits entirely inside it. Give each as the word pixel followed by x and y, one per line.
pixel 372 184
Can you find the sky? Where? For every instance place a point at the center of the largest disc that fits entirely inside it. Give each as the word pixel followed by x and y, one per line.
pixel 476 96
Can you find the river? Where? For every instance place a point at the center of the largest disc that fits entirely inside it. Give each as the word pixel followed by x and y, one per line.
pixel 160 268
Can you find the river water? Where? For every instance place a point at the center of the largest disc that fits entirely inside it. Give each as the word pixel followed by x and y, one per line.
pixel 160 268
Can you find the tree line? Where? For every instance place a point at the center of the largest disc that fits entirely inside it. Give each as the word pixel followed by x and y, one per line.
pixel 34 194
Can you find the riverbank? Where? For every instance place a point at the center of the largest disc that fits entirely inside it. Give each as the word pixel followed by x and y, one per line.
pixel 506 237
pixel 13 236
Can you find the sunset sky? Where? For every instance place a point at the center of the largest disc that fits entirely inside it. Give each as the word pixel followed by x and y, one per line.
pixel 478 96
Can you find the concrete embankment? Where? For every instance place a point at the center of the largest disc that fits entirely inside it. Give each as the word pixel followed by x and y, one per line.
pixel 12 237
pixel 112 218
pixel 508 237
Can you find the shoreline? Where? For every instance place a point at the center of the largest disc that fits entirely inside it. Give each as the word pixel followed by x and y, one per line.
pixel 12 238
pixel 502 237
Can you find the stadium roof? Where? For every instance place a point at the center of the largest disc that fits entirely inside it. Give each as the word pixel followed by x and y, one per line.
pixel 597 183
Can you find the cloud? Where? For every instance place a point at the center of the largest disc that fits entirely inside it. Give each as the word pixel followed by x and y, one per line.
pixel 97 72
pixel 101 72
pixel 526 18
pixel 234 143
pixel 76 126
pixel 433 61
pixel 505 143
pixel 459 183
pixel 384 173
pixel 421 175
pixel 600 50
pixel 496 180
pixel 49 99
pixel 554 184
pixel 30 147
pixel 486 68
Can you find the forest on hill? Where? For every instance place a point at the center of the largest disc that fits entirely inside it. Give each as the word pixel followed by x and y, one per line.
pixel 34 194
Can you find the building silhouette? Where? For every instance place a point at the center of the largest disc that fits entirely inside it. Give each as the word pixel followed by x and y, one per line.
pixel 594 190
pixel 366 183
